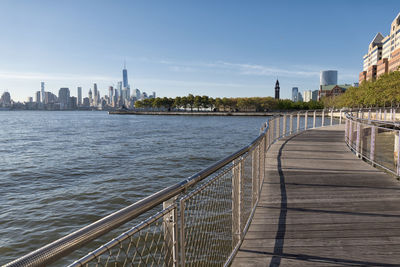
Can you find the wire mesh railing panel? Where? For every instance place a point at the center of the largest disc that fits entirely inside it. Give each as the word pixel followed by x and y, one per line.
pixel 310 121
pixel 206 227
pixel 384 148
pixel 250 170
pixel 286 124
pixel 147 244
pixel 377 144
pixel 365 140
pixel 293 120
pixel 281 126
pixel 353 134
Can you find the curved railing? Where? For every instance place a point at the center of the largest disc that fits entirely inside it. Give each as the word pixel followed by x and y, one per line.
pixel 374 136
pixel 199 221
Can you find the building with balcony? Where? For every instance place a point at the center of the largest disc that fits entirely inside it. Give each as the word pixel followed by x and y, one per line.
pixel 383 53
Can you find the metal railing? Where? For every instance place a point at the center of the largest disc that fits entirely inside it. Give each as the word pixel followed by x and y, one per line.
pixel 378 116
pixel 200 221
pixel 374 136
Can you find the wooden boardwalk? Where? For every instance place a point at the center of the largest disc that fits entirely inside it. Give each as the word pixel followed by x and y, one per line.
pixel 322 206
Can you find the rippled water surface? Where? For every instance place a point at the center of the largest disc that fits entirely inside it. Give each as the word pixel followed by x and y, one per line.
pixel 60 171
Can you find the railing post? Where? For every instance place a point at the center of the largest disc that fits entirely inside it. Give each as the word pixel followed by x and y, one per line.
pixel 237 190
pixel 278 127
pixel 298 122
pixel 314 118
pixel 331 117
pixel 273 130
pixel 384 115
pixel 372 150
pixel 346 130
pixel 358 140
pixel 170 228
pixel 323 118
pixel 376 115
pixel 391 114
pixel 291 124
pixel 254 176
pixel 182 231
pixel 284 125
pixel 369 116
pixel 397 151
pixel 340 117
pixel 262 169
pixel 305 120
pixel 351 133
pixel 380 114
pixel 394 114
pixel 260 166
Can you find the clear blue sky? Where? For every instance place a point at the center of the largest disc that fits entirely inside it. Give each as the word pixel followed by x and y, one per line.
pixel 216 48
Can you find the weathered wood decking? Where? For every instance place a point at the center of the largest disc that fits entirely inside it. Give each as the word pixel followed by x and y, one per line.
pixel 322 206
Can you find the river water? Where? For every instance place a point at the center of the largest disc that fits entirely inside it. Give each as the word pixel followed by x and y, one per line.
pixel 60 171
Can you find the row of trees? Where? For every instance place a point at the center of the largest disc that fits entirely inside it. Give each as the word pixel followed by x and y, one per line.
pixel 383 92
pixel 250 104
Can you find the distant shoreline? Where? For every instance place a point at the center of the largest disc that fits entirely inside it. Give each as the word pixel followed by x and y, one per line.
pixel 193 113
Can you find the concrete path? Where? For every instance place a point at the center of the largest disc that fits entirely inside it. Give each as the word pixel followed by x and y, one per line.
pixel 322 206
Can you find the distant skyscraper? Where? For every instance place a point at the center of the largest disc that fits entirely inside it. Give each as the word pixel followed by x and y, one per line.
pixel 328 77
pixel 295 92
pixel 86 102
pixel 95 94
pixel 5 99
pixel 42 91
pixel 137 92
pixel 119 88
pixel 110 94
pixel 277 88
pixel 125 77
pixel 64 97
pixel 49 98
pixel 110 91
pixel 72 103
pixel 315 95
pixel 307 96
pixel 79 96
pixel 37 97
pixel 90 97
pixel 299 97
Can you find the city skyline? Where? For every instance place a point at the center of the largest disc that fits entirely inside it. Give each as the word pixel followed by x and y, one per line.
pixel 119 97
pixel 216 49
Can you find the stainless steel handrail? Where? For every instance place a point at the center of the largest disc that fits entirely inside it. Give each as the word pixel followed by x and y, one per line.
pixel 368 121
pixel 67 244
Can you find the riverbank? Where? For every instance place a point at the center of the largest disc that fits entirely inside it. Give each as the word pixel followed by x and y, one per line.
pixel 193 113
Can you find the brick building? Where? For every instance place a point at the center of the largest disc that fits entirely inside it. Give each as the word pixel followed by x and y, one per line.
pixel 383 54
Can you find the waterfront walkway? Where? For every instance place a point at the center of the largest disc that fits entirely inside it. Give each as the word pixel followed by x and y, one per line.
pixel 322 206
